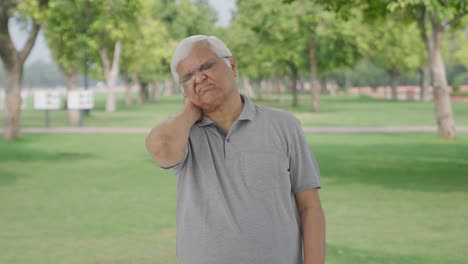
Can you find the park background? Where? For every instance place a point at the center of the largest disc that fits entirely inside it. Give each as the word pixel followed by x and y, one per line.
pixel 92 194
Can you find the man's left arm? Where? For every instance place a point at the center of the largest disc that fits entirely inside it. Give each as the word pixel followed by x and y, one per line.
pixel 312 226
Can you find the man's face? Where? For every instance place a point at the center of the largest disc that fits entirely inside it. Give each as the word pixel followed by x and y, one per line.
pixel 206 79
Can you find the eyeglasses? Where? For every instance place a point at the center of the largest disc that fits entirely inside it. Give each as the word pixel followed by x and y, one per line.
pixel 189 77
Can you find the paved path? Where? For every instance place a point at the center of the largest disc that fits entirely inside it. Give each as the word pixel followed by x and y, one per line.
pixel 141 130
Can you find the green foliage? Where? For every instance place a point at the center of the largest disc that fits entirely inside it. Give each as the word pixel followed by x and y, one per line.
pixel 365 73
pixel 341 42
pixel 66 33
pixel 185 18
pixel 443 11
pixel 274 35
pixel 396 47
pixel 265 38
pixel 459 43
pixel 147 47
pixel 35 9
pixel 73 26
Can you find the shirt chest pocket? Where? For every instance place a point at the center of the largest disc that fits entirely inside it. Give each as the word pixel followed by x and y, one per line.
pixel 265 170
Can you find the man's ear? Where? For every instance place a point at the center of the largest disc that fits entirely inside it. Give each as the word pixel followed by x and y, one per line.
pixel 233 62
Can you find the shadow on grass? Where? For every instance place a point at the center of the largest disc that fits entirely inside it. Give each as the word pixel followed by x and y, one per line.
pixel 346 255
pixel 21 152
pixel 9 153
pixel 7 177
pixel 430 166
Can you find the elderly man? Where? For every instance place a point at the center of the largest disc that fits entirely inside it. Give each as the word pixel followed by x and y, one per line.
pixel 247 183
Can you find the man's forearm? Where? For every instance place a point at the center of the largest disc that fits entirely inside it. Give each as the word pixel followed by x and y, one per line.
pixel 313 235
pixel 166 142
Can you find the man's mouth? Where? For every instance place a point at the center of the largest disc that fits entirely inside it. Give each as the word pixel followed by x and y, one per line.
pixel 205 88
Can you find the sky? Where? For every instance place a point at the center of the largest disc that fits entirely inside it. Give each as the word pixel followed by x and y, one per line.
pixel 42 52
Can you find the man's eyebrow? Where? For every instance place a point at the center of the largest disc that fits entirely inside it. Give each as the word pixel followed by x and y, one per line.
pixel 203 65
pixel 188 74
pixel 206 63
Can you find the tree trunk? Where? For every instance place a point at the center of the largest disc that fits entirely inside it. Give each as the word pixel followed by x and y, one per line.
pixel 263 87
pixel 426 71
pixel 394 80
pixel 257 90
pixel 269 88
pixel 73 114
pixel 424 82
pixel 13 61
pixel 12 111
pixel 276 83
pixel 247 86
pixel 128 94
pixel 323 86
pixel 282 90
pixel 156 92
pixel 314 83
pixel 168 87
pixel 111 72
pixel 443 105
pixel 293 82
pixel 347 79
pixel 129 90
pixel 143 93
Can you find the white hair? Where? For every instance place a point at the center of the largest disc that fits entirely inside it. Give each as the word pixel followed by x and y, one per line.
pixel 184 48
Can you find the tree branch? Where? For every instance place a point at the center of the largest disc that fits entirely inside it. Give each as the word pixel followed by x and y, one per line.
pixel 117 52
pixel 457 18
pixel 8 51
pixel 23 54
pixel 421 18
pixel 105 61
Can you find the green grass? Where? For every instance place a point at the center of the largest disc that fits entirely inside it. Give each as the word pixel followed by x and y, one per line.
pixel 388 198
pixel 344 110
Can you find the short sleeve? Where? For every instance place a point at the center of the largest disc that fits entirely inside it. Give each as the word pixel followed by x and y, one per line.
pixel 304 170
pixel 181 164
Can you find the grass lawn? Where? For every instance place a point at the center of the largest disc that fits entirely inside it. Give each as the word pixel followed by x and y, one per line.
pixel 388 198
pixel 342 110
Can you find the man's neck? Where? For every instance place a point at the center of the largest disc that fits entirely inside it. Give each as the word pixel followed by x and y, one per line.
pixel 228 112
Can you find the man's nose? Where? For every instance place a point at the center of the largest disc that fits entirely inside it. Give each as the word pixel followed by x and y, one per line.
pixel 199 76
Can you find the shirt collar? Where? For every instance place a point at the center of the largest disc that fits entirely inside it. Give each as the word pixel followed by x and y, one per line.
pixel 248 113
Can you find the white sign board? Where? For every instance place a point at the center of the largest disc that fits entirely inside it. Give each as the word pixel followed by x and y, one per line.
pixel 46 100
pixel 82 99
pixel 24 100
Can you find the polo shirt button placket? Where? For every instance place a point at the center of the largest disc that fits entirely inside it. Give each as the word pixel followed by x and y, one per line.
pixel 228 140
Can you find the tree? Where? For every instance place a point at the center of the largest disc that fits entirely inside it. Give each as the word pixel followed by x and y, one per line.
pixel 147 54
pixel 186 18
pixel 32 12
pixel 109 24
pixel 301 36
pixel 435 18
pixel 274 41
pixel 65 32
pixel 333 42
pixel 396 48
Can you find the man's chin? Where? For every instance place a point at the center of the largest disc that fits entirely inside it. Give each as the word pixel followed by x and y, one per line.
pixel 209 102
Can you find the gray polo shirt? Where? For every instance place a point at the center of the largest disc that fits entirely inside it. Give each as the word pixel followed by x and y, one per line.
pixel 236 202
